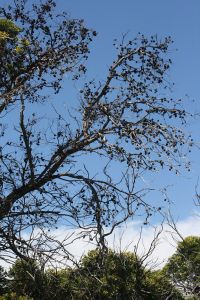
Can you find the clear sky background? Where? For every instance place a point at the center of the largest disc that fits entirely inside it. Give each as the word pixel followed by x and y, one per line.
pixel 181 20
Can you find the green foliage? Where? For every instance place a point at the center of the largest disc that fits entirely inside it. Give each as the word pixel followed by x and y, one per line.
pixel 9 28
pixel 183 267
pixel 58 284
pixel 118 276
pixel 113 277
pixel 109 276
pixel 8 36
pixel 13 296
pixel 161 288
pixel 27 279
pixel 3 281
pixel 12 48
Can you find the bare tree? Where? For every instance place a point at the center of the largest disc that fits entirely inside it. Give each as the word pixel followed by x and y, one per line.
pixel 125 120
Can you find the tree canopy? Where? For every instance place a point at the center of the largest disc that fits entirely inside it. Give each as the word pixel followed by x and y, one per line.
pixel 183 267
pixel 120 276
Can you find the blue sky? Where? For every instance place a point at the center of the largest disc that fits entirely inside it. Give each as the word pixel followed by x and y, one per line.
pixel 177 18
pixel 180 20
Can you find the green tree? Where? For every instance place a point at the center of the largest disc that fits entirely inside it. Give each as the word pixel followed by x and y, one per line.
pixel 9 42
pixel 3 281
pixel 118 276
pixel 183 268
pixel 106 277
pixel 13 296
pixel 58 284
pixel 8 30
pixel 160 287
pixel 28 280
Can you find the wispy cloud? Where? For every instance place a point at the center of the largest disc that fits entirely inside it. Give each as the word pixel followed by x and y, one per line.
pixel 131 236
